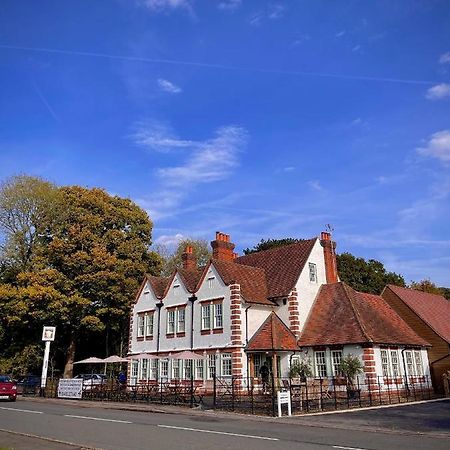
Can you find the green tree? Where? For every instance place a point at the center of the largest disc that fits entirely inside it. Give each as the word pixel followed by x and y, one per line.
pixel 267 244
pixel 426 285
pixel 173 260
pixel 366 276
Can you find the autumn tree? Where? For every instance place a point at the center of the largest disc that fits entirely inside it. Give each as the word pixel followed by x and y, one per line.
pixel 428 286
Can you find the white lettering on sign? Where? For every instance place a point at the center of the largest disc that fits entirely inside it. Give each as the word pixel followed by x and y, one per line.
pixel 70 388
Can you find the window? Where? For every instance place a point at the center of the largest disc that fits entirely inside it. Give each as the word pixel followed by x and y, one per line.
pixel 385 363
pixel 312 273
pixel 144 372
pixel 149 324
pixel 218 315
pixel 257 363
pixel 134 369
pixel 336 358
pixel 153 369
pixel 409 362
pixel 188 369
pixel 176 289
pixel 170 321
pixel 394 363
pixel 141 325
pixel 226 365
pixel 164 368
pixel 199 372
pixel 181 325
pixel 211 282
pixel 321 365
pixel 206 317
pixel 211 366
pixel 418 361
pixel 176 366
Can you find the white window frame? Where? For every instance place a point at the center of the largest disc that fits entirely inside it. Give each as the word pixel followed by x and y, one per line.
pixel 140 325
pixel 211 282
pixel 149 324
pixel 218 314
pixel 211 366
pixel 144 370
pixel 200 369
pixel 153 375
pixel 336 358
pixel 320 363
pixel 177 369
pixel 385 362
pixel 206 316
pixel 181 313
pixel 312 272
pixel 418 363
pixel 226 365
pixel 409 358
pixel 395 362
pixel 171 315
pixel 164 368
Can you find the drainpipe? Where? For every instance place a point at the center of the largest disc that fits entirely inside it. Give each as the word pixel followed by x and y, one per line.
pixel 159 306
pixel 246 342
pixel 192 299
pixel 405 372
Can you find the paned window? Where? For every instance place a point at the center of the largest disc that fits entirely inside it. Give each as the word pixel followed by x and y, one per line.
pixel 176 366
pixel 321 365
pixel 164 368
pixel 141 325
pixel 226 365
pixel 312 273
pixel 409 362
pixel 153 369
pixel 336 358
pixel 218 318
pixel 418 361
pixel 206 317
pixel 149 324
pixel 188 369
pixel 257 362
pixel 211 366
pixel 181 325
pixel 134 369
pixel 170 321
pixel 211 282
pixel 385 363
pixel 394 363
pixel 199 371
pixel 144 372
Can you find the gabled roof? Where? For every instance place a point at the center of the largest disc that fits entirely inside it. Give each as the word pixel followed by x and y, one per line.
pixel 251 279
pixel 282 265
pixel 433 309
pixel 190 278
pixel 273 334
pixel 158 284
pixel 341 315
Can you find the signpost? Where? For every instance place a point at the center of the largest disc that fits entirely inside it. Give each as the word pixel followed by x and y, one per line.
pixel 48 335
pixel 70 388
pixel 284 398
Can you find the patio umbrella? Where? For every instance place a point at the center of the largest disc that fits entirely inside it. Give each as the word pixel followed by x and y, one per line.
pixel 115 359
pixel 142 356
pixel 185 354
pixel 91 360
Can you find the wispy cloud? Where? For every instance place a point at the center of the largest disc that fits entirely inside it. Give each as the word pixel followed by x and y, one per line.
pixel 229 5
pixel 315 185
pixel 45 102
pixel 438 92
pixel 159 6
pixel 437 146
pixel 340 34
pixel 168 86
pixel 271 12
pixel 356 48
pixel 170 240
pixel 445 58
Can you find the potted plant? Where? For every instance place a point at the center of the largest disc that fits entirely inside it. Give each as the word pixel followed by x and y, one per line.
pixel 350 367
pixel 300 369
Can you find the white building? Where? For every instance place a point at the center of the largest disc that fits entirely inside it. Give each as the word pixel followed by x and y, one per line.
pixel 272 306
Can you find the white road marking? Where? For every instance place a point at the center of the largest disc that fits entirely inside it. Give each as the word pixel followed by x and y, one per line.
pixel 21 410
pixel 219 432
pixel 96 418
pixel 348 448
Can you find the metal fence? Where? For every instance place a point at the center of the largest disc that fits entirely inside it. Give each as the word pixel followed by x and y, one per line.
pixel 252 396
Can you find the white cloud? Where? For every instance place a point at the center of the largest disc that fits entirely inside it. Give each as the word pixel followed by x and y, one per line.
pixel 272 12
pixel 340 34
pixel 229 5
pixel 158 137
pixel 315 184
pixel 439 91
pixel 212 160
pixel 275 11
pixel 167 86
pixel 445 58
pixel 170 240
pixel 356 48
pixel 165 5
pixel 438 146
pixel 288 169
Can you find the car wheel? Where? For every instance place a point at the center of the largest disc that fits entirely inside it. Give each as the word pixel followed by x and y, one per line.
pixel 12 399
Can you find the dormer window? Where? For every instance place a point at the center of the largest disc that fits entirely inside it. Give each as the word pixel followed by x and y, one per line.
pixel 176 289
pixel 211 282
pixel 312 273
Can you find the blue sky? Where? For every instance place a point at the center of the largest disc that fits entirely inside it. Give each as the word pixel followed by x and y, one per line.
pixel 261 119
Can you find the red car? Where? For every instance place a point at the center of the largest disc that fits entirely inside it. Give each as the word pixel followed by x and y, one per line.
pixel 8 388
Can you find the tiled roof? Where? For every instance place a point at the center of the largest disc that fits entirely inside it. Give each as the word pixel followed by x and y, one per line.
pixel 341 315
pixel 273 334
pixel 190 277
pixel 433 309
pixel 282 265
pixel 251 279
pixel 158 284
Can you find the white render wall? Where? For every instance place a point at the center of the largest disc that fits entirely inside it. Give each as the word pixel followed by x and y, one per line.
pixel 257 314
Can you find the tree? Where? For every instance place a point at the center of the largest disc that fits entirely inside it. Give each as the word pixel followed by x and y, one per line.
pixel 173 260
pixel 350 367
pixel 366 276
pixel 270 243
pixel 445 292
pixel 426 285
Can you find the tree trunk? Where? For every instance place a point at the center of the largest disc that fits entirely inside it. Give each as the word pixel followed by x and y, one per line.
pixel 68 368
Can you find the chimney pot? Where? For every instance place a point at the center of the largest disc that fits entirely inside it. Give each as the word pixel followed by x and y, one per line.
pixel 222 247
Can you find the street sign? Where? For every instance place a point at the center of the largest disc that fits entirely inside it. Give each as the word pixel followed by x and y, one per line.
pixel 48 334
pixel 70 388
pixel 284 398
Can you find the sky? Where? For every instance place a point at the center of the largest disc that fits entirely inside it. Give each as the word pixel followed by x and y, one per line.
pixel 260 119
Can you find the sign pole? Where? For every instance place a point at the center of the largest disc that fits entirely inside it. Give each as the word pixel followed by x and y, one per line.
pixel 48 335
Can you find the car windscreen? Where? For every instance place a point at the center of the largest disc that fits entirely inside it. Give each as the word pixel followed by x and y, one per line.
pixel 5 379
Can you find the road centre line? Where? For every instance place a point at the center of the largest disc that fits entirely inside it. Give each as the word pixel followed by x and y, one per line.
pixel 96 418
pixel 21 410
pixel 348 448
pixel 219 432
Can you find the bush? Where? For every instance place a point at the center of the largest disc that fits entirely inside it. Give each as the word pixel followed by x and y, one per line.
pixel 300 369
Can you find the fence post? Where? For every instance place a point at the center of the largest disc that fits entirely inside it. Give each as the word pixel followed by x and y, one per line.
pixel 370 391
pixel 306 394
pixel 214 391
pixel 273 395
pixel 161 390
pixel 389 391
pixel 379 389
pixel 232 392
pixel 428 387
pixel 347 392
pixel 359 391
pixel 413 388
pixel 253 399
pixel 334 391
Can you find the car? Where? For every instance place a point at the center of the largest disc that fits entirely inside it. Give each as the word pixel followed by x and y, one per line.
pixel 28 384
pixel 91 380
pixel 8 388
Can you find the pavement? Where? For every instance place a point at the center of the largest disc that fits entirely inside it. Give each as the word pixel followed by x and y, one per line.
pixel 83 425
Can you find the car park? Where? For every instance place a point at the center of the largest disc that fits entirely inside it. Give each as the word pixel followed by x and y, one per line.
pixel 28 384
pixel 91 380
pixel 8 388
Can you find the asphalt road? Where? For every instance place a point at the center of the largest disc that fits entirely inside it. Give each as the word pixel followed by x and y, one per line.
pixel 120 430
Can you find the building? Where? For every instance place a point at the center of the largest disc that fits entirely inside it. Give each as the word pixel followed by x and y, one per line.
pixel 276 305
pixel 429 316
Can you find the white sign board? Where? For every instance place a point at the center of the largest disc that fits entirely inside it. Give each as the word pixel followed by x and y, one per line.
pixel 284 398
pixel 48 334
pixel 70 388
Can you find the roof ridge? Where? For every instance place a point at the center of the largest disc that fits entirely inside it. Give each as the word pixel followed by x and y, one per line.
pixel 356 312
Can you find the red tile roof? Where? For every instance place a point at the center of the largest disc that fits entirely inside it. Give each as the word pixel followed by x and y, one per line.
pixel 282 265
pixel 341 315
pixel 190 278
pixel 158 284
pixel 433 309
pixel 273 334
pixel 251 279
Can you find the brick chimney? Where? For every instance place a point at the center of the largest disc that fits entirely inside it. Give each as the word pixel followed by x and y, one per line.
pixel 189 259
pixel 222 247
pixel 329 253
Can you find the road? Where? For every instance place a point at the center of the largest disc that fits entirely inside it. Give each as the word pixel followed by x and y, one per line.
pixel 125 430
